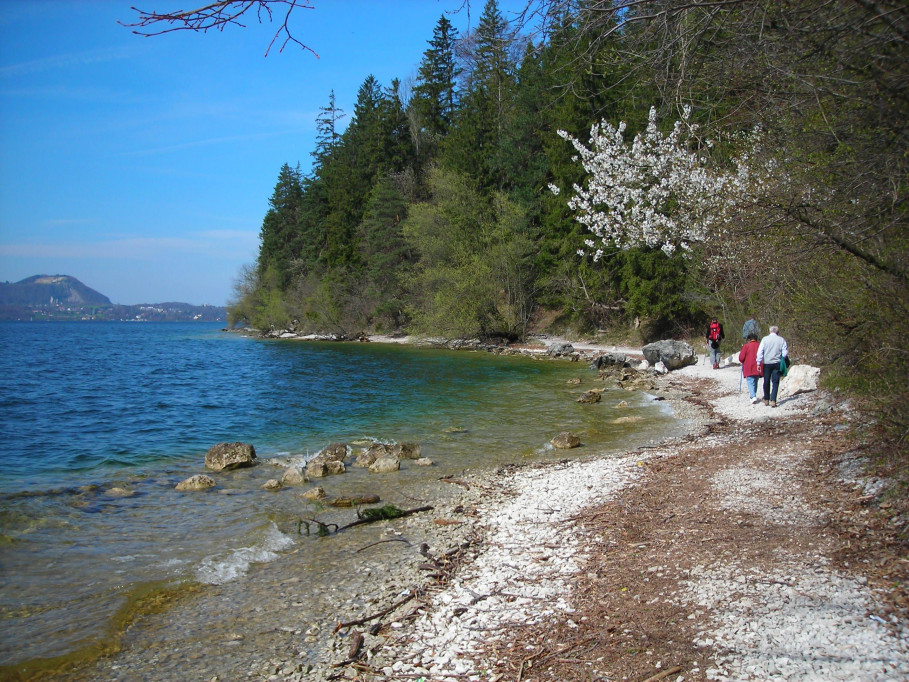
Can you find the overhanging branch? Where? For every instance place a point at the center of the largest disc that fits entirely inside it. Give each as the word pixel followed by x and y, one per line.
pixel 218 15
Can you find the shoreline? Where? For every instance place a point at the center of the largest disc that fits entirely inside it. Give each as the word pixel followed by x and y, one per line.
pixel 595 566
pixel 536 579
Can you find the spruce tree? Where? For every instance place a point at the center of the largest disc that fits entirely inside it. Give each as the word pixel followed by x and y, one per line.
pixel 474 145
pixel 279 235
pixel 434 95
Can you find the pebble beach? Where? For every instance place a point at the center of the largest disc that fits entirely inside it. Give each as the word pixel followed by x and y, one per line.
pixel 801 618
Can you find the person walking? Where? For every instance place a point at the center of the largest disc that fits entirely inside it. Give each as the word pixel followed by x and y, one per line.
pixel 714 337
pixel 771 350
pixel 750 327
pixel 748 359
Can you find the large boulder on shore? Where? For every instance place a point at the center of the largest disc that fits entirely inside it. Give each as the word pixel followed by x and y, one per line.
pixel 560 349
pixel 673 354
pixel 609 360
pixel 799 379
pixel 227 456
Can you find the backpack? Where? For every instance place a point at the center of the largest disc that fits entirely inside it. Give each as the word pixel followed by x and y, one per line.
pixel 714 334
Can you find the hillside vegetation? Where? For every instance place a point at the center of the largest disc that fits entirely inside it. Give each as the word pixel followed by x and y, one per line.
pixel 748 157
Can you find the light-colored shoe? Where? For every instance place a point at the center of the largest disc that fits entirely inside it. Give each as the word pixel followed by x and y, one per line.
pixel 754 400
pixel 772 403
pixel 766 402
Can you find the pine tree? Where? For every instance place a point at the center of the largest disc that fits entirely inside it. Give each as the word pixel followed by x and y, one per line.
pixel 475 143
pixel 279 235
pixel 434 95
pixel 327 133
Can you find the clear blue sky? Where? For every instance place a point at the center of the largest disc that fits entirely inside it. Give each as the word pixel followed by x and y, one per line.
pixel 143 166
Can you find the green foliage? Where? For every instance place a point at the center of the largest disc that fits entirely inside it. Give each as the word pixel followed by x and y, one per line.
pixel 260 301
pixel 473 275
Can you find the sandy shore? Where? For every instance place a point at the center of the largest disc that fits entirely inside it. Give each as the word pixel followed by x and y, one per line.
pixel 752 549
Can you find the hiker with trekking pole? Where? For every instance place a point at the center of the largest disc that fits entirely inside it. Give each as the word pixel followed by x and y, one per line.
pixel 714 337
pixel 748 358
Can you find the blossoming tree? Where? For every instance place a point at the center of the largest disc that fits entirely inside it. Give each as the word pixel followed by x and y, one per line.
pixel 658 191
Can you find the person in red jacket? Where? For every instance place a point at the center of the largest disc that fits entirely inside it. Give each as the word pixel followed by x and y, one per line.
pixel 748 358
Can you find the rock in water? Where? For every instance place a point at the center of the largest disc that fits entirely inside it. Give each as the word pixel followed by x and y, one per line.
pixel 227 456
pixel 316 493
pixel 405 451
pixel 197 482
pixel 566 440
pixel 293 475
pixel 609 360
pixel 336 452
pixel 385 464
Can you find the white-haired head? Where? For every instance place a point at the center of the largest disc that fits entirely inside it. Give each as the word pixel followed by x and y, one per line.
pixel 774 329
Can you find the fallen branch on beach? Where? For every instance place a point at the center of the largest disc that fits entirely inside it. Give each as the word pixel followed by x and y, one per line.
pixel 450 479
pixel 360 621
pixel 373 544
pixel 389 511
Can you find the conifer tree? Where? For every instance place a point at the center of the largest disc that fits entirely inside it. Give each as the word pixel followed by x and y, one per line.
pixel 475 143
pixel 279 235
pixel 434 95
pixel 327 133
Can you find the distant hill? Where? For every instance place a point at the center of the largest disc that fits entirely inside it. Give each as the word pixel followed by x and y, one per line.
pixel 61 297
pixel 50 290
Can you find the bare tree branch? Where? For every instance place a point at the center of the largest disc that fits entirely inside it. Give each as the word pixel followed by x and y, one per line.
pixel 219 15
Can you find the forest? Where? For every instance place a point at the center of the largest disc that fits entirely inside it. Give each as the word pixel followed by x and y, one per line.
pixel 618 169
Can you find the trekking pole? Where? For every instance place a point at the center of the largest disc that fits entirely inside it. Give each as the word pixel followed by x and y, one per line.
pixel 741 375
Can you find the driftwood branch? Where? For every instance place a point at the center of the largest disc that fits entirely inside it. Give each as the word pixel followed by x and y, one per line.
pixel 664 674
pixel 366 619
pixel 373 544
pixel 450 479
pixel 322 528
pixel 397 514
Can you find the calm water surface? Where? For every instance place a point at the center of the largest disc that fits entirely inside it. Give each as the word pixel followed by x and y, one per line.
pixel 89 410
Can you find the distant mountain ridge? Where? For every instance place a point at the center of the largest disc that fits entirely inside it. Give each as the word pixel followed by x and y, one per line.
pixel 50 290
pixel 62 297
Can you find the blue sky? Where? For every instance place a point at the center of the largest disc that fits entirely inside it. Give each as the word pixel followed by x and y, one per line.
pixel 143 166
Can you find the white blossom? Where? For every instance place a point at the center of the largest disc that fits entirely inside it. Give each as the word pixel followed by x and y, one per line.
pixel 655 191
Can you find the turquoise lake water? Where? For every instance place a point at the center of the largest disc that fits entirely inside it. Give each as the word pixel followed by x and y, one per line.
pixel 88 407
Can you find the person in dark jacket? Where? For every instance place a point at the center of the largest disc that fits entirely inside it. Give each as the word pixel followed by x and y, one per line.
pixel 751 326
pixel 714 337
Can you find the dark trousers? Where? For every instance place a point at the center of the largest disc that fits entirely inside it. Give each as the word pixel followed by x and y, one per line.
pixel 771 381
